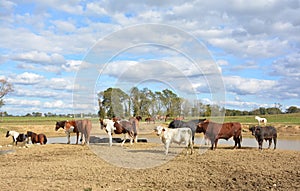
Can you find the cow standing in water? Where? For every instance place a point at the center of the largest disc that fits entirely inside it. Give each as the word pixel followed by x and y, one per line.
pixel 264 133
pixel 215 131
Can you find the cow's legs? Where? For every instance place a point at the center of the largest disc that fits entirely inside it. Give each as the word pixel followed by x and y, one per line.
pixel 77 134
pixel 212 144
pixel 110 138
pixel 260 144
pixel 235 142
pixel 190 145
pixel 270 142
pixel 167 144
pixel 216 143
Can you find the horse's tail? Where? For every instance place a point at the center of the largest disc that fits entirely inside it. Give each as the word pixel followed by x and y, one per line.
pixel 45 139
pixel 134 125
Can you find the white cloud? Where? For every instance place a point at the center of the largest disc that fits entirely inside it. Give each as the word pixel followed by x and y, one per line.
pixel 246 86
pixel 73 65
pixel 59 84
pixel 22 102
pixel 40 58
pixel 64 26
pixel 26 78
pixel 56 104
pixel 241 35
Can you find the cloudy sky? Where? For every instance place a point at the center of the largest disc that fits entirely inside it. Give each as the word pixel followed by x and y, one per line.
pixel 51 49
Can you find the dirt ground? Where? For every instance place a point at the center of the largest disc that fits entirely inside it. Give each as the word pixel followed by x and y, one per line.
pixel 144 166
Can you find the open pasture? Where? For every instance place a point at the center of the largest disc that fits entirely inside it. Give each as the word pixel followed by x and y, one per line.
pixel 77 167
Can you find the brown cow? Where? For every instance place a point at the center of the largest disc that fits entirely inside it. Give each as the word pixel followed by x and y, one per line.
pixel 215 131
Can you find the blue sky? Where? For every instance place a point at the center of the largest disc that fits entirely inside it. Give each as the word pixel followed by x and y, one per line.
pixel 255 47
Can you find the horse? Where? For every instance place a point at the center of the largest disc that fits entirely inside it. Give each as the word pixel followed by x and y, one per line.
pixel 135 121
pixel 192 124
pixel 261 120
pixel 83 126
pixel 61 124
pixel 215 131
pixel 121 127
pixel 37 138
pixel 149 119
pixel 17 137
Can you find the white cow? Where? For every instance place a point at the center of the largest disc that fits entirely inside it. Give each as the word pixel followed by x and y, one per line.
pixel 179 135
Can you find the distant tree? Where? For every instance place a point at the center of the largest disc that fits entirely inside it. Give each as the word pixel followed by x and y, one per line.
pixel 112 102
pixel 207 111
pixel 293 109
pixel 5 88
pixel 273 110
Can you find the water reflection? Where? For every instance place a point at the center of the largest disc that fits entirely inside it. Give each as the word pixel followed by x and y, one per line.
pixel 246 142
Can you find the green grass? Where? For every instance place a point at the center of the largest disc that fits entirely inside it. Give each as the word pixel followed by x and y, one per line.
pixel 288 119
pixel 36 120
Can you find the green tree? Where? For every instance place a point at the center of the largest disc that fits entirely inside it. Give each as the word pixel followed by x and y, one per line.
pixel 112 102
pixel 293 109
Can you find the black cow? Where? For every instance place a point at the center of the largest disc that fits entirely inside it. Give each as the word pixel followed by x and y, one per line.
pixel 192 124
pixel 264 133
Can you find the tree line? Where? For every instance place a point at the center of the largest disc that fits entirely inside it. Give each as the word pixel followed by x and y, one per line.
pixel 145 102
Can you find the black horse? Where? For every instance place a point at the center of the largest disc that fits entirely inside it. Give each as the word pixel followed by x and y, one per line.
pixel 192 124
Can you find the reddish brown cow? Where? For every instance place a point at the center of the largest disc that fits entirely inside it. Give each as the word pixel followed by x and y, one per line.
pixel 215 131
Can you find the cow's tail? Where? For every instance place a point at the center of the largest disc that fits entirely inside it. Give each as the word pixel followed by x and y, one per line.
pixel 241 137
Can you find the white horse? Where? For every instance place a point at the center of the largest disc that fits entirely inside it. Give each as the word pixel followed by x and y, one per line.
pixel 261 120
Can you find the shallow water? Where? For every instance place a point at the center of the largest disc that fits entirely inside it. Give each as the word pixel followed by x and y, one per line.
pixel 282 144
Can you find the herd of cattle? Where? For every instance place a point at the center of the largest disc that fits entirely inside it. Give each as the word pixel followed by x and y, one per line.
pixel 178 131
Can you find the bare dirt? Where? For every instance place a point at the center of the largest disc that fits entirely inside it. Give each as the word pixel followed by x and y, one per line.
pixel 77 167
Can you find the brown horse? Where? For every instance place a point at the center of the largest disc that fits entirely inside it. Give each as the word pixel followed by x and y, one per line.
pixel 135 121
pixel 149 119
pixel 215 131
pixel 83 126
pixel 61 124
pixel 37 138
pixel 124 127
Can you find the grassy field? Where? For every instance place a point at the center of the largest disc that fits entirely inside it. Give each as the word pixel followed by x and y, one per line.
pixel 288 119
pixel 288 125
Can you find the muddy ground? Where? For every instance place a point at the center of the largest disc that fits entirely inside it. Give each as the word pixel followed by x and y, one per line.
pixel 96 167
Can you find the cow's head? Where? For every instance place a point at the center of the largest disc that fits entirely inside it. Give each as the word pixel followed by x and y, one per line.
pixel 202 126
pixel 252 129
pixel 257 131
pixel 159 129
